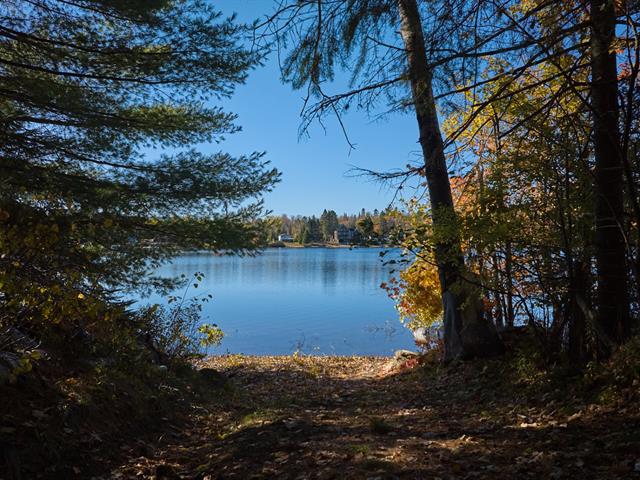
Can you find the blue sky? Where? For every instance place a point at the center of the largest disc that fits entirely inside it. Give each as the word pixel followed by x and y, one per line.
pixel 315 170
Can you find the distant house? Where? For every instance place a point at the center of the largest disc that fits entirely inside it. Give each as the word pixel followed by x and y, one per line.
pixel 285 237
pixel 344 235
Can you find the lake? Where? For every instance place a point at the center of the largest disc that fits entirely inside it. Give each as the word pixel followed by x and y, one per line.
pixel 324 301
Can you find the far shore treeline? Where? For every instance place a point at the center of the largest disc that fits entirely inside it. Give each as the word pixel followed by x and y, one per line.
pixel 365 227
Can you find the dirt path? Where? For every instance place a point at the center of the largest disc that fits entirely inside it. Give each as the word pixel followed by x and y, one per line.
pixel 338 417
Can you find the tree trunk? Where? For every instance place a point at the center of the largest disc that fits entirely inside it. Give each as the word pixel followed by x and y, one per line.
pixel 466 331
pixel 499 319
pixel 509 274
pixel 579 289
pixel 610 250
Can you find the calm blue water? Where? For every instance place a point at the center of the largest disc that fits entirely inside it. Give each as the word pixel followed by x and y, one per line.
pixel 317 300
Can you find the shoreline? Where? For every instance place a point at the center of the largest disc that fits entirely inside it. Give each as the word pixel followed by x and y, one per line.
pixel 397 355
pixel 323 245
pixel 295 246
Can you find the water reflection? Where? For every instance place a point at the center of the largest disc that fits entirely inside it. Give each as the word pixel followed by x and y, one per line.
pixel 315 300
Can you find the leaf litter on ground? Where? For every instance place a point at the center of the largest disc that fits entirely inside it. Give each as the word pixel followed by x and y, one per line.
pixel 314 417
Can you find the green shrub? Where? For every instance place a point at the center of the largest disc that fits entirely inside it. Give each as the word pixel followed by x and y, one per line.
pixel 177 331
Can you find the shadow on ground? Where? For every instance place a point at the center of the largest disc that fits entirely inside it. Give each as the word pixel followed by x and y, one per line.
pixel 327 418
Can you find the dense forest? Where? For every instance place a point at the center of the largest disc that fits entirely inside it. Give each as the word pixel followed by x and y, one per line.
pixel 521 263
